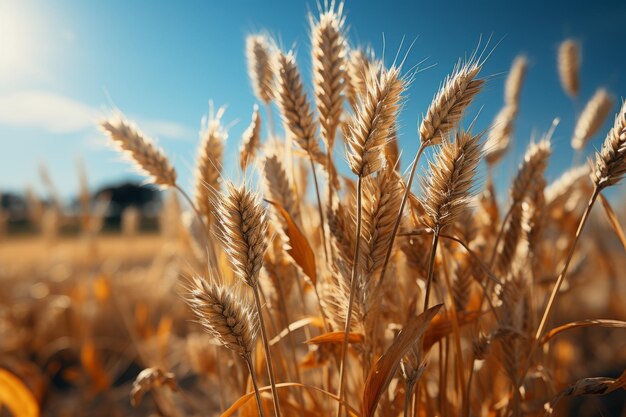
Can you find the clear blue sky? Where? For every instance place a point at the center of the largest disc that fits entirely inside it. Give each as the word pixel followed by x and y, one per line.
pixel 64 63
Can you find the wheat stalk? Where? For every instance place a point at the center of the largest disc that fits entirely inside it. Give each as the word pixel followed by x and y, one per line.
pixel 610 167
pixel 244 226
pixel 443 115
pixel 366 135
pixel 449 187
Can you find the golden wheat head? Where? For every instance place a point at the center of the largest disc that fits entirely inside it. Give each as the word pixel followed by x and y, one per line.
pixel 610 164
pixel 373 124
pixel 569 67
pixel 148 158
pixel 592 118
pixel 450 102
pixel 209 163
pixel 258 55
pixel 251 140
pixel 244 226
pixel 449 187
pixel 224 315
pixel 329 62
pixel 293 102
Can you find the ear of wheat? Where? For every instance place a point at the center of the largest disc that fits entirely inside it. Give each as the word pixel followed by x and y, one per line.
pixel 451 101
pixel 450 185
pixel 148 158
pixel 515 80
pixel 251 140
pixel 293 102
pixel 329 64
pixel 209 163
pixel 258 54
pixel 610 164
pixel 224 315
pixel 569 67
pixel 370 128
pixel 592 118
pixel 244 225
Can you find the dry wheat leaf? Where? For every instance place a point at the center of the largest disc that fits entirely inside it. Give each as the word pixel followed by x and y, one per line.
pixel 386 366
pixel 247 397
pixel 299 247
pixel 583 323
pixel 588 386
pixel 441 326
pixel 313 321
pixel 148 380
pixel 16 396
pixel 336 337
pixel 613 220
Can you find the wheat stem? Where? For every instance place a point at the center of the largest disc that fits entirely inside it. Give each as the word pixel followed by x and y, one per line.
pixel 431 265
pixel 266 347
pixel 557 285
pixel 561 278
pixel 319 208
pixel 396 225
pixel 353 282
pixel 407 396
pixel 292 345
pixel 211 253
pixel 257 394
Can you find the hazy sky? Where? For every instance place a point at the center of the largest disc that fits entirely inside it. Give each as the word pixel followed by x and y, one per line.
pixel 65 63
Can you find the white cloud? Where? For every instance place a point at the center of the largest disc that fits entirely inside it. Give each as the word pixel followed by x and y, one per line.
pixel 46 111
pixel 58 114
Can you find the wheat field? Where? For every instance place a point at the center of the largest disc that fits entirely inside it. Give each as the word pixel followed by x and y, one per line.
pixel 314 285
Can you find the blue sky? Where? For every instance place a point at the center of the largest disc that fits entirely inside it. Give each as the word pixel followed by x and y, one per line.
pixel 65 63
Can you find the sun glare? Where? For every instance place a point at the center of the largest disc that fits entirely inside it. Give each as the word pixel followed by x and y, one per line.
pixel 17 47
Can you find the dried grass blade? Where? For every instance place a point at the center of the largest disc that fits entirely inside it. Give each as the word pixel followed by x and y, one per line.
pixel 386 366
pixel 336 337
pixel 588 386
pixel 617 324
pixel 247 397
pixel 299 247
pixel 613 220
